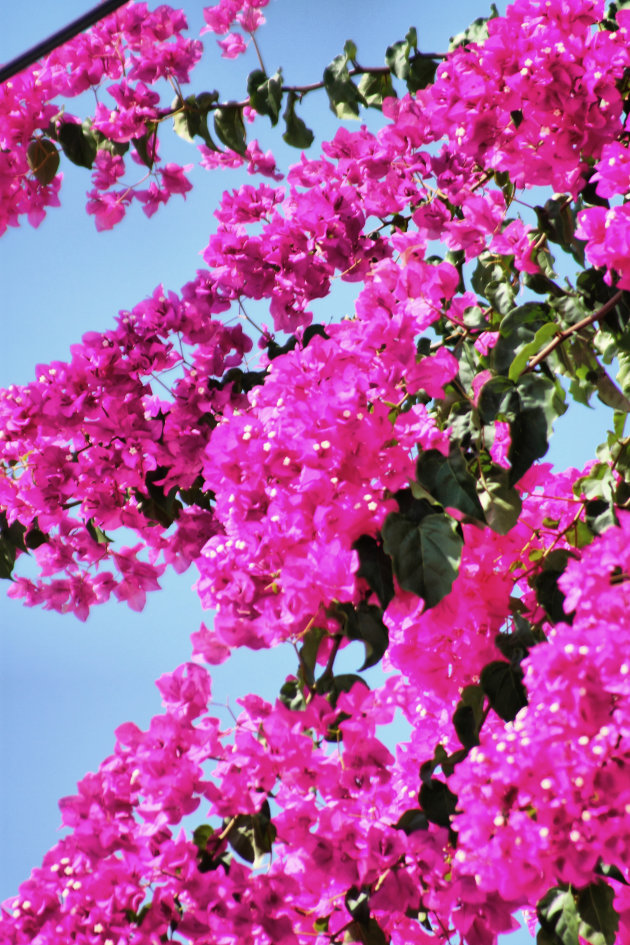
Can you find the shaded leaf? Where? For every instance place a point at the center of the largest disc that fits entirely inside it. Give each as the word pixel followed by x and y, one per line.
pixel 43 159
pixel 375 566
pixel 502 684
pixel 412 820
pixel 78 143
pixel 447 479
pixel 265 93
pixel 558 916
pixel 426 554
pixel 598 919
pixel 230 128
pixel 297 134
pixel 343 94
pixel 438 802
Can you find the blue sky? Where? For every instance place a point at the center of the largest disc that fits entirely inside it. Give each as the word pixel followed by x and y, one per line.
pixel 65 686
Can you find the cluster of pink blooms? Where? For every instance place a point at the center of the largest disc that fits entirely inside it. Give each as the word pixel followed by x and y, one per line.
pixel 124 60
pixel 266 473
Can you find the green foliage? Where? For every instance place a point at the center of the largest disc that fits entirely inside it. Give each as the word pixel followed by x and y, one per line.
pixel 296 134
pixel 252 835
pixel 502 684
pixel 447 480
pixel 78 143
pixel 425 546
pixel 230 128
pixel 406 63
pixel 477 32
pixel 265 93
pixel 43 159
pixel 569 916
pixel 343 94
pixel 376 567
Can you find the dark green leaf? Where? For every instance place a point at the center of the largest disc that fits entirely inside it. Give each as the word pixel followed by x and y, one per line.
pixel 502 684
pixel 292 696
pixel 230 128
pixel 558 916
pixel 358 904
pixel 438 802
pixel 477 32
pixel 468 716
pixel 43 159
pixel 375 567
pixel 412 820
pixel 422 71
pixel 296 134
pixel 598 919
pixel 96 533
pixel 372 935
pixel 7 556
pixel 252 835
pixel 501 503
pixel 309 650
pixel 343 94
pixel 545 583
pixel 374 87
pixel 447 479
pixel 426 555
pixel 365 623
pixel 265 94
pixel 78 143
pixel 141 144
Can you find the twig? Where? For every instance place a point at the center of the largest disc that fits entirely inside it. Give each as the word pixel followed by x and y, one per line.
pixel 563 335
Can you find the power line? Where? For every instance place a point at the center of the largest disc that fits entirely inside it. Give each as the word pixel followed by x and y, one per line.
pixel 59 38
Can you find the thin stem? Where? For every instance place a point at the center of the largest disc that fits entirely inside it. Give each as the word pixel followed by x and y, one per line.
pixel 258 53
pixel 563 335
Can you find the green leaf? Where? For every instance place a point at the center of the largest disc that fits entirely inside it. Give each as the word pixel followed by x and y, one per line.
pixel 78 143
pixel 252 835
pixel 477 32
pixel 43 159
pixel 545 583
pixel 343 94
pixel 292 696
pixel 375 566
pixel 357 903
pixel 558 916
pixel 309 650
pixel 502 684
pixel 426 554
pixel 365 623
pixel 422 71
pixel 7 556
pixel 374 87
pixel 187 121
pixel 412 820
pixel 532 348
pixel 501 503
pixel 468 715
pixel 141 145
pixel 96 533
pixel 598 919
pixel 372 935
pixel 438 802
pixel 265 94
pixel 296 134
pixel 447 480
pixel 230 128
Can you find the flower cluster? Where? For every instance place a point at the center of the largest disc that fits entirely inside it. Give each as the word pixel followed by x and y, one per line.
pixel 375 478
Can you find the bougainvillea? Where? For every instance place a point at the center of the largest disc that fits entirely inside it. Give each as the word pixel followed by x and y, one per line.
pixel 377 478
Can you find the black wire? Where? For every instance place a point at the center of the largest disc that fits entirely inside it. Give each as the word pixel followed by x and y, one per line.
pixel 59 38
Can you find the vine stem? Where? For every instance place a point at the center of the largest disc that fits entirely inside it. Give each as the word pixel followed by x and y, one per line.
pixel 567 332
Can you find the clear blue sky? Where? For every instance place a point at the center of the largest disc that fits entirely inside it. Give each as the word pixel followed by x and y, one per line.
pixel 65 686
